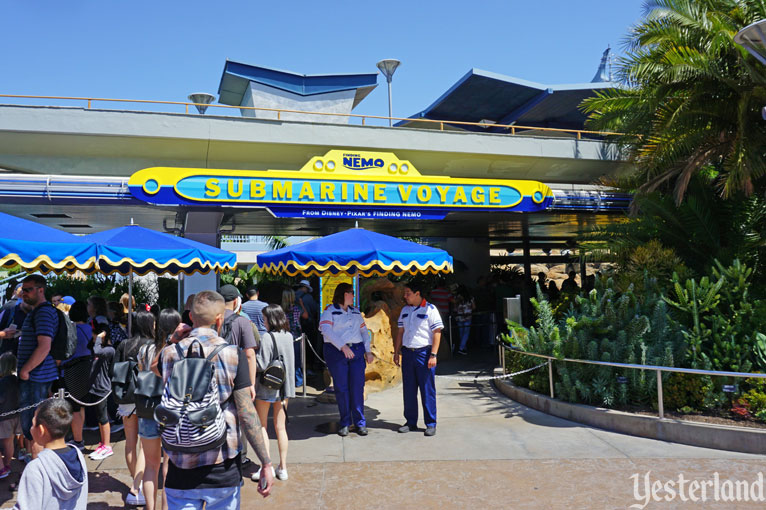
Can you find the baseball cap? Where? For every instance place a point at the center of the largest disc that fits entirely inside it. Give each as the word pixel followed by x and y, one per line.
pixel 67 300
pixel 229 292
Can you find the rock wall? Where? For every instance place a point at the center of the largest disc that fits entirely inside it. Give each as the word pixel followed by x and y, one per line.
pixel 384 302
pixel 382 373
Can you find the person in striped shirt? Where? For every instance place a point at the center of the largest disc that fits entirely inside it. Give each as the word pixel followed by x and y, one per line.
pixel 36 368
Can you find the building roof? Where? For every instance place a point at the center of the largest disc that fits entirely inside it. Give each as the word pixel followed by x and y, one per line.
pixel 237 76
pixel 495 98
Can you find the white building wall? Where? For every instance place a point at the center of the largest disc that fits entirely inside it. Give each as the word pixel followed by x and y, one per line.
pixel 263 96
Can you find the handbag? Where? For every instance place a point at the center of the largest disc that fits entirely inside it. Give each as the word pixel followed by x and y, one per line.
pixel 273 376
pixel 148 390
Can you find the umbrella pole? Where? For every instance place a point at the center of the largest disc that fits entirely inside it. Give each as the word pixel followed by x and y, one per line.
pixel 130 302
pixel 303 362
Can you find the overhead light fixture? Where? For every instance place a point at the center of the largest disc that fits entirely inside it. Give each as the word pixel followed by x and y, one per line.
pixel 388 68
pixel 201 100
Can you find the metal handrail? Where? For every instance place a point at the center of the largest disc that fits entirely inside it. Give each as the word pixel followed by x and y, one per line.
pixel 279 111
pixel 657 368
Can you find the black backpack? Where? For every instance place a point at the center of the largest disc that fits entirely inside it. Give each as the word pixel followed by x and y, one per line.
pixel 227 329
pixel 149 387
pixel 124 375
pixel 273 375
pixel 64 341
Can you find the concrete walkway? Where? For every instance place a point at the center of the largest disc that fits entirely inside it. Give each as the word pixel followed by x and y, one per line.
pixel 488 451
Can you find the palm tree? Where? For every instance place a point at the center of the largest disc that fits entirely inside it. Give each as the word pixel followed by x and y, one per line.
pixel 703 228
pixel 691 98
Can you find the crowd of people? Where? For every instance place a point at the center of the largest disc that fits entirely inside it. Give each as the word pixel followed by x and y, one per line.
pixel 477 314
pixel 190 390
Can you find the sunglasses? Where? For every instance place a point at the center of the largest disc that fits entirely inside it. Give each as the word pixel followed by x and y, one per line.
pixel 28 289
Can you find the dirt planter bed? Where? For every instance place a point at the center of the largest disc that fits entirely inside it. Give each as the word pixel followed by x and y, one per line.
pixel 721 437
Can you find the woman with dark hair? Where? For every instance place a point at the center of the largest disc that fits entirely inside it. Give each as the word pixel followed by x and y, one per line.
pixel 148 430
pixel 78 314
pixel 117 322
pixel 166 324
pixel 295 311
pixel 143 334
pixel 97 310
pixel 279 336
pixel 346 347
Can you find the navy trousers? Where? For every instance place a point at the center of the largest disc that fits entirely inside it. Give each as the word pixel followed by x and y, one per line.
pixel 348 381
pixel 417 376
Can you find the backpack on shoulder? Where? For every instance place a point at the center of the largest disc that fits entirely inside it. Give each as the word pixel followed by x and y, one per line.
pixel 273 376
pixel 124 375
pixel 64 341
pixel 149 388
pixel 189 414
pixel 227 329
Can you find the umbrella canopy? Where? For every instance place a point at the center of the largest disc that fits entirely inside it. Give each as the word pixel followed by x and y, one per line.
pixel 355 251
pixel 36 247
pixel 134 249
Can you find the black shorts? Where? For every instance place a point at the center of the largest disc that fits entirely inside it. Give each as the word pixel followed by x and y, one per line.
pixel 100 408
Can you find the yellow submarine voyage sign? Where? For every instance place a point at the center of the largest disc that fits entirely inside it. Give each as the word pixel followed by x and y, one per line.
pixel 340 184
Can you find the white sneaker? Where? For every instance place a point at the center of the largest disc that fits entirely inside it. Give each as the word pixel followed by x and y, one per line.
pixel 257 475
pixel 95 452
pixel 102 453
pixel 134 500
pixel 281 473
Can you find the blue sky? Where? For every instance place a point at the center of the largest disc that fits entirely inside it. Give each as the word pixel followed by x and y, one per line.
pixel 163 50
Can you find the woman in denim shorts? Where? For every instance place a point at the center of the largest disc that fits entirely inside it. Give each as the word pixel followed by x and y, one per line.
pixel 143 334
pixel 148 429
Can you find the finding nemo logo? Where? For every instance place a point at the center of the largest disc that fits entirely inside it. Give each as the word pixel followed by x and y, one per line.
pixel 339 184
pixel 359 162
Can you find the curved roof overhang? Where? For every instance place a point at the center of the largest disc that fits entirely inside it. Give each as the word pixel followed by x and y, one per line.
pixel 237 76
pixel 491 98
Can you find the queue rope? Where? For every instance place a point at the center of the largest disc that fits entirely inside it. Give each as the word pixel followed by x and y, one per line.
pixel 60 394
pixel 308 342
pixel 476 378
pixel 491 377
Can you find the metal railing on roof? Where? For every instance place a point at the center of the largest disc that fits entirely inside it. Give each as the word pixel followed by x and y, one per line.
pixel 512 129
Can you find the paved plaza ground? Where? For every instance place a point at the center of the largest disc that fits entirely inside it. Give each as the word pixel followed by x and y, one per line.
pixel 488 452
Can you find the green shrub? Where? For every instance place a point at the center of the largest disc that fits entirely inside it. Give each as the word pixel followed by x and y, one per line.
pixel 605 326
pixel 686 392
pixel 722 322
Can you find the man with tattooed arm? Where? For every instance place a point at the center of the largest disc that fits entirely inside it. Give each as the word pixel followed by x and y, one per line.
pixel 214 476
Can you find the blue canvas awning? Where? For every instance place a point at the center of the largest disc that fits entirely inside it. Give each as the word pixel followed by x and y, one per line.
pixel 37 247
pixel 355 251
pixel 143 251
